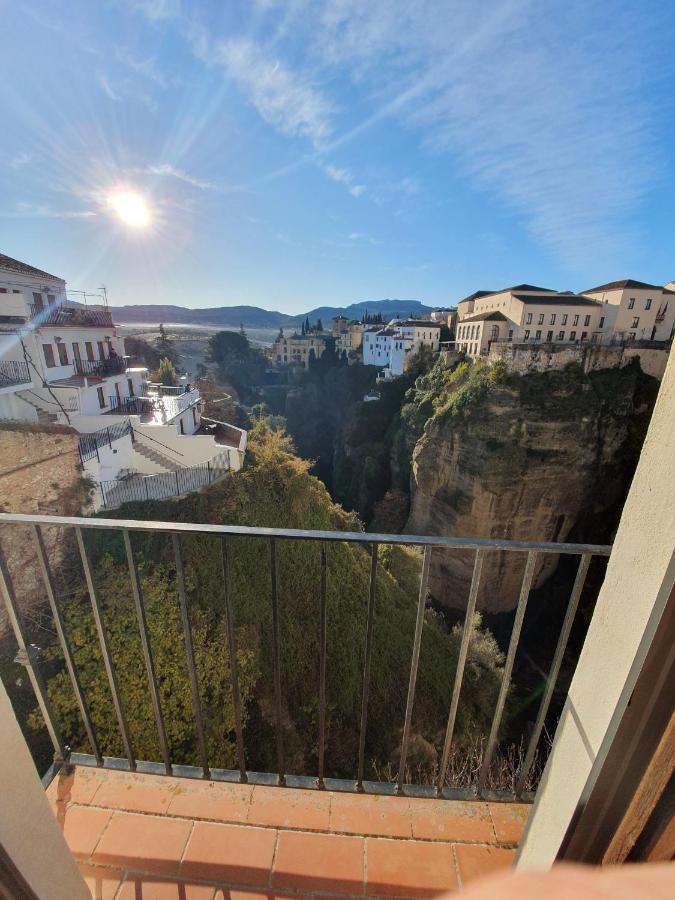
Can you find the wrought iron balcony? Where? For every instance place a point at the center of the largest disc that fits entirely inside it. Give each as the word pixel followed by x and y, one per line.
pixel 65 315
pixel 14 373
pixel 120 535
pixel 100 368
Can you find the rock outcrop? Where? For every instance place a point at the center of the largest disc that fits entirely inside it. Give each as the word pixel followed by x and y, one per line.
pixel 543 457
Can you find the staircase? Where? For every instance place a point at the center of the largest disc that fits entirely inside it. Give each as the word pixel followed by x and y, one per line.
pixel 44 416
pixel 160 459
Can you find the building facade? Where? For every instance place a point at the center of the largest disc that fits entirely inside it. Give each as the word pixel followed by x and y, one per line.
pixel 298 349
pixel 393 347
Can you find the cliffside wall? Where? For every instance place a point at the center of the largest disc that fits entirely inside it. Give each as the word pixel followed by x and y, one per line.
pixel 546 456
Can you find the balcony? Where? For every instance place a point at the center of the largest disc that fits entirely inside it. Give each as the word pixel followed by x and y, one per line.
pixel 155 408
pixel 14 373
pixel 100 368
pixel 66 315
pixel 177 824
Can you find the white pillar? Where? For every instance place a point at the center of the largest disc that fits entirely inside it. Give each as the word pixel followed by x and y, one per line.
pixel 632 598
pixel 29 831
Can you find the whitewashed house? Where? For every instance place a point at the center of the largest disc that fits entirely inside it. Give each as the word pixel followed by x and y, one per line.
pixel 394 346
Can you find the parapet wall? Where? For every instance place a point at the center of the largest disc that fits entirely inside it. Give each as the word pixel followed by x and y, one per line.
pixel 524 358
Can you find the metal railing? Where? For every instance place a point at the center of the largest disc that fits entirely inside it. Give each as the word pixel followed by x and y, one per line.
pixel 14 372
pixel 162 485
pixel 481 549
pixel 143 437
pixel 65 315
pixel 102 368
pixel 89 444
pixel 166 406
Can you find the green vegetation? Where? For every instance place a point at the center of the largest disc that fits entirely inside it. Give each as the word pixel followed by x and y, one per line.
pixel 275 489
pixel 166 372
pixel 142 353
pixel 238 363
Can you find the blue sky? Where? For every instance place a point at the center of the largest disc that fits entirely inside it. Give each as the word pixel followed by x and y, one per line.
pixel 294 154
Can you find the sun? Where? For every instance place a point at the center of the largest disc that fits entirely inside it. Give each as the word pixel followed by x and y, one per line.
pixel 130 207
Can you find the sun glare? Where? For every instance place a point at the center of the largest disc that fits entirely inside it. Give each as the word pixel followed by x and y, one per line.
pixel 130 208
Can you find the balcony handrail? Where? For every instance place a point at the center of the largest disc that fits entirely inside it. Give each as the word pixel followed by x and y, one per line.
pixel 124 527
pixel 142 436
pixel 110 365
pixel 63 314
pixel 359 537
pixel 89 444
pixel 14 372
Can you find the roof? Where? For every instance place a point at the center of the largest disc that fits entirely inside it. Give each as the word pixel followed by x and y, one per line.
pixel 13 265
pixel 627 283
pixel 485 317
pixel 558 300
pixel 422 323
pixel 476 296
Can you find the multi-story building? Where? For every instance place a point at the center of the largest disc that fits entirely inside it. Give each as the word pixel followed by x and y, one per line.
pixel 298 348
pixel 617 312
pixel 63 362
pixel 350 340
pixel 394 346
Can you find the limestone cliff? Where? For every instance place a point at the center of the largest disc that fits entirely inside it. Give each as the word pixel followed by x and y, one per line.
pixel 545 456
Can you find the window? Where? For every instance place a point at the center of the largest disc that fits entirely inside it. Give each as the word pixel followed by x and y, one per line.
pixel 573 335
pixel 631 303
pixel 527 335
pixel 194 416
pixel 528 319
pixel 48 351
pixel 89 350
pixel 3 290
pixel 549 337
pixel 537 336
pixel 587 320
pixel 584 335
pixel 648 303
pixel 101 351
pixel 601 323
pixel 510 334
pixel 552 322
pixel 101 398
pixel 561 335
pixel 631 335
pixel 564 319
pixel 76 351
pixel 50 298
pixel 541 318
pixel 576 320
pixel 636 322
pixel 63 354
pixel 37 300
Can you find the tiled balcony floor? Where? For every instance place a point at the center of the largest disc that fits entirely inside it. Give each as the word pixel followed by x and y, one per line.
pixel 156 837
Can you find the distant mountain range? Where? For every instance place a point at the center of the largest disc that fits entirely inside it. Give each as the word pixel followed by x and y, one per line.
pixel 255 317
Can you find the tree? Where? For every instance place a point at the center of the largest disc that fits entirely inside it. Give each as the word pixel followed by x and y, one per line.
pixel 302 331
pixel 165 346
pixel 166 373
pixel 319 325
pixel 308 327
pixel 238 363
pixel 141 353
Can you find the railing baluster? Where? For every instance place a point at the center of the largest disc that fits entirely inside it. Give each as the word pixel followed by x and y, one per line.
pixel 508 667
pixel 417 642
pixel 28 658
pixel 552 677
pixel 147 651
pixel 234 675
pixel 322 668
pixel 105 649
pixel 276 661
pixel 190 653
pixel 64 641
pixel 366 664
pixel 461 662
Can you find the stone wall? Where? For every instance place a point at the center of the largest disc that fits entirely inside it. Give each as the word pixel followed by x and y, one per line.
pixel 524 358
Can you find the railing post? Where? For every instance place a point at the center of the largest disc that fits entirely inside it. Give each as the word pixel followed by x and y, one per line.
pixel 366 665
pixel 177 487
pixel 414 663
pixel 234 671
pixel 109 438
pixel 276 661
pixel 147 490
pixel 322 667
pixel 28 657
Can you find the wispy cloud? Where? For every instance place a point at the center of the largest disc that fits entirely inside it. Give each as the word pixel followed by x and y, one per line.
pixel 108 90
pixel 343 176
pixel 44 211
pixel 170 171
pixel 19 161
pixel 145 67
pixel 286 100
pixel 157 10
pixel 366 238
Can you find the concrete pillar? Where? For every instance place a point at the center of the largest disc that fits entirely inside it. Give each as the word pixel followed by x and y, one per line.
pixel 631 601
pixel 29 831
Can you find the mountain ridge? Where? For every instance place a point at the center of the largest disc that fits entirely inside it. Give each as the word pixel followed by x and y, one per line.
pixel 257 317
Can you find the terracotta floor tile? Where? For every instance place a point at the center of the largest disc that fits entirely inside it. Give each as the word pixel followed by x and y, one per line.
pixel 230 853
pixel 409 868
pixel 143 843
pixel 140 887
pixel 319 862
pixel 75 785
pixel 267 895
pixel 287 808
pixel 82 828
pixel 509 820
pixel 135 793
pixel 102 882
pixel 449 820
pixel 475 860
pixel 387 816
pixel 211 800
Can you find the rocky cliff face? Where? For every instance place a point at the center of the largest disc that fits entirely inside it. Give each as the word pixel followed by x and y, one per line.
pixel 545 457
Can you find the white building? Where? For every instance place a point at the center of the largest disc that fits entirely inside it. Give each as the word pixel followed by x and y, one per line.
pixel 393 347
pixel 63 362
pixel 612 313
